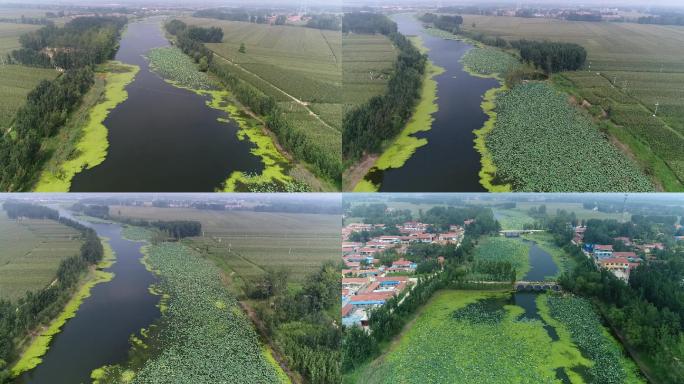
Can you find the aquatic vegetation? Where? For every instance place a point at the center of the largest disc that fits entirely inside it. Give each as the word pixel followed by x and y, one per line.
pixel 480 313
pixel 197 340
pixel 497 249
pixel 542 143
pixel 405 144
pixel 438 348
pixel 488 171
pixel 31 356
pixel 488 61
pixel 610 365
pixel 172 64
pixel 91 148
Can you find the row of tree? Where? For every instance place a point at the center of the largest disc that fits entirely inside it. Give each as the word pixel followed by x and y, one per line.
pixel 325 21
pixel 552 56
pixel 449 23
pixel 22 317
pixel 176 229
pixel 77 46
pixel 367 126
pixel 293 138
pixel 300 321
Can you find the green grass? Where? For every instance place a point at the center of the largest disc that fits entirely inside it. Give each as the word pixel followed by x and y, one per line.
pixel 633 66
pixel 246 242
pixel 542 143
pixel 496 248
pixel 439 348
pixel 512 219
pixel 31 253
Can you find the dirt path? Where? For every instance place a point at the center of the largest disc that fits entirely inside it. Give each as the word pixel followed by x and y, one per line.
pixel 356 172
pixel 300 102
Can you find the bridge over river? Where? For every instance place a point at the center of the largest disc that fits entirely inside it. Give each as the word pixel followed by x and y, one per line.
pixel 537 286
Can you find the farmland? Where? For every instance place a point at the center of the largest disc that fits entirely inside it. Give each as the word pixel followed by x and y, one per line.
pixel 31 253
pixel 632 67
pixel 299 67
pixel 559 150
pixel 202 336
pixel 367 64
pixel 16 80
pixel 247 242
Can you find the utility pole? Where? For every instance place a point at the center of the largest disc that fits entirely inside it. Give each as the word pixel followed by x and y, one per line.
pixel 656 109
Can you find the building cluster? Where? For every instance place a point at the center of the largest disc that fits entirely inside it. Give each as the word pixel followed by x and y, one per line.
pixel 366 282
pixel 620 263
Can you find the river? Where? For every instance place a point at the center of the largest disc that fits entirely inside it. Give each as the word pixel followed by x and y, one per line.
pixel 449 161
pixel 99 333
pixel 162 138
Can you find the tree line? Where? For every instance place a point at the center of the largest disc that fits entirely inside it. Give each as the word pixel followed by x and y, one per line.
pixel 449 23
pixel 366 127
pixel 23 316
pixel 177 229
pixel 552 56
pixel 324 163
pixel 80 44
pixel 325 21
pixel 648 311
pixel 300 323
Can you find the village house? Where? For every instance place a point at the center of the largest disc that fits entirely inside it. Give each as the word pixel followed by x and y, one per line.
pixel 602 251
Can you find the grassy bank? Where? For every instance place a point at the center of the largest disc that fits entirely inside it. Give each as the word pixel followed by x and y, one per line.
pixel 83 144
pixel 38 346
pixel 405 144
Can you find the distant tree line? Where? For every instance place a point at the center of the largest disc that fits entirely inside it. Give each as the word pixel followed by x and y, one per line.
pixel 27 20
pixel 367 126
pixel 449 23
pixel 79 45
pixel 24 316
pixel 177 229
pixel 94 210
pixel 258 16
pixel 205 35
pixel 324 163
pixel 552 56
pixel 325 21
pixel 574 16
pixel 663 19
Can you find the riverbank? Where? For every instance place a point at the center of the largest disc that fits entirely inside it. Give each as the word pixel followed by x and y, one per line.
pixel 405 144
pixel 38 345
pixel 82 144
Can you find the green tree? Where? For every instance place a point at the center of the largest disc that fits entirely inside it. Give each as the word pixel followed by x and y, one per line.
pixel 242 48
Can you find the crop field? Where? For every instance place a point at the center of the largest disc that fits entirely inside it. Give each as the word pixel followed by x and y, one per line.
pixel 248 242
pixel 31 253
pixel 367 64
pixel 300 67
pixel 489 61
pixel 633 67
pixel 512 219
pixel 473 337
pixel 541 143
pixel 504 249
pixel 16 81
pixel 203 336
pixel 577 208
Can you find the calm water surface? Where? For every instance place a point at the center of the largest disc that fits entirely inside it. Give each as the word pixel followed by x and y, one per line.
pixel 99 333
pixel 449 162
pixel 164 139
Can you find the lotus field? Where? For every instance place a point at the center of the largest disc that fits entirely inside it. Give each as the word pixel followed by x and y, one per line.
pixel 203 336
pixel 610 365
pixel 542 143
pixel 172 64
pixel 504 249
pixel 489 61
pixel 448 343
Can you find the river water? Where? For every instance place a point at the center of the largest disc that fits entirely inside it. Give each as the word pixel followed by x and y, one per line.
pixel 449 161
pixel 99 333
pixel 162 138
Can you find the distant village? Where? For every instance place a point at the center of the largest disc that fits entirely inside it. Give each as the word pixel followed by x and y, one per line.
pixel 366 282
